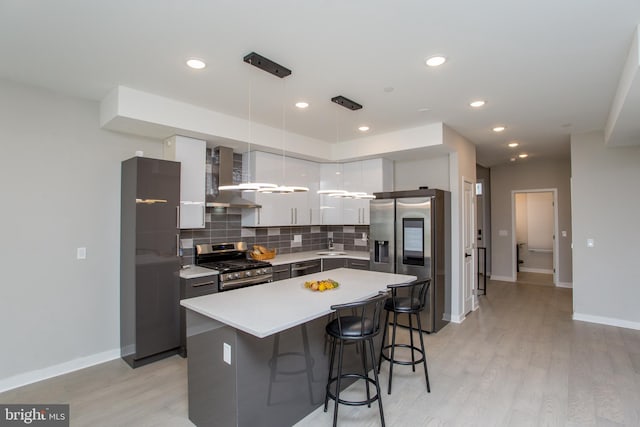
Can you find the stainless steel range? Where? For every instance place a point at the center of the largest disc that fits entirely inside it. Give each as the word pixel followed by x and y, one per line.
pixel 236 269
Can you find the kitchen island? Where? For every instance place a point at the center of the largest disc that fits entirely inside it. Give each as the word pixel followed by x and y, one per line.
pixel 258 356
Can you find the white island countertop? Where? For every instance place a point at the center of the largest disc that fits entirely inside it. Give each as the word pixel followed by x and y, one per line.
pixel 264 310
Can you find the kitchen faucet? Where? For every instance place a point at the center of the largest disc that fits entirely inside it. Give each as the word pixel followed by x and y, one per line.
pixel 330 243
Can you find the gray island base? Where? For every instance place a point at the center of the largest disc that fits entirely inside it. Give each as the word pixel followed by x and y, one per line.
pixel 276 368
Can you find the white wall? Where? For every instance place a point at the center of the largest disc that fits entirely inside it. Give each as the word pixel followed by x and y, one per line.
pixel 411 174
pixel 605 204
pixel 462 167
pixel 523 176
pixel 60 181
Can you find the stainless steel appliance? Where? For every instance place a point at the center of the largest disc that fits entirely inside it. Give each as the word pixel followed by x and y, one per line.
pixel 236 270
pixel 410 233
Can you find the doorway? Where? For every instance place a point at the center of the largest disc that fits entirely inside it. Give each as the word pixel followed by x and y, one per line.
pixel 534 232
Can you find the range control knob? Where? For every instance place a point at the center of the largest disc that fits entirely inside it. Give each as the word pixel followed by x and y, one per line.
pixel 236 275
pixel 248 274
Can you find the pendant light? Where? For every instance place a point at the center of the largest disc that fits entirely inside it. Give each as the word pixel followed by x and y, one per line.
pixel 343 194
pixel 249 186
pixel 284 189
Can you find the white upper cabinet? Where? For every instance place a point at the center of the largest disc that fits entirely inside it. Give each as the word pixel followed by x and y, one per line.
pixel 330 207
pixel 311 208
pixel 281 209
pixel 369 176
pixel 191 153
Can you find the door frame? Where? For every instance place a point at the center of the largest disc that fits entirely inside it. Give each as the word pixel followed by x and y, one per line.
pixel 556 266
pixel 474 275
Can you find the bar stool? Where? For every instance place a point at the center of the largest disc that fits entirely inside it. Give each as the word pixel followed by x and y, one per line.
pixel 360 327
pixel 410 299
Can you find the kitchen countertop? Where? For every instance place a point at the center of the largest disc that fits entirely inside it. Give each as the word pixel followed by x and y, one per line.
pixel 306 256
pixel 193 272
pixel 274 307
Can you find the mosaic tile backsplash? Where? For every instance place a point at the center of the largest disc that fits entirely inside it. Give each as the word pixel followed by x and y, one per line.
pixel 224 225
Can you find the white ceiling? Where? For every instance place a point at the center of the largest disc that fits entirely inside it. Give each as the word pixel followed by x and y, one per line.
pixel 547 68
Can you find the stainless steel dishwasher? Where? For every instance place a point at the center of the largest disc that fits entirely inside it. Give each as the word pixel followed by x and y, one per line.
pixel 305 267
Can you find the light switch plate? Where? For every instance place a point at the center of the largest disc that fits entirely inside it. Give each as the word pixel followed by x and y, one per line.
pixel 503 233
pixel 226 353
pixel 81 253
pixel 590 243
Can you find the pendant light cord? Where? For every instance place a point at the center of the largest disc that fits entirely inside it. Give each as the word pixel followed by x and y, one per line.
pixel 283 132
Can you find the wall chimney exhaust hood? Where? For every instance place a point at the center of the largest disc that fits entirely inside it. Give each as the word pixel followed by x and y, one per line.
pixel 228 198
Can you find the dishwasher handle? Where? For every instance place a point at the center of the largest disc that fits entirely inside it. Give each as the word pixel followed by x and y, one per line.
pixel 297 269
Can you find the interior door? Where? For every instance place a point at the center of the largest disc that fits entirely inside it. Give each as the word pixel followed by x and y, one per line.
pixel 468 244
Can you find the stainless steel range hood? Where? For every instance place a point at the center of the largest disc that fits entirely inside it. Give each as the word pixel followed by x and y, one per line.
pixel 227 198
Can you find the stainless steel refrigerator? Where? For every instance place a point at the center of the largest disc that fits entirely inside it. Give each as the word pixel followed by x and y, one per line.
pixel 410 233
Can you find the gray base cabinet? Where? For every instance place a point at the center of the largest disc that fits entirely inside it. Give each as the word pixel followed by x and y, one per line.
pixel 333 263
pixel 191 288
pixel 281 272
pixel 358 264
pixel 149 261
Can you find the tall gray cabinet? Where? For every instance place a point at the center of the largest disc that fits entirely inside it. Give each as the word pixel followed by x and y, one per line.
pixel 149 260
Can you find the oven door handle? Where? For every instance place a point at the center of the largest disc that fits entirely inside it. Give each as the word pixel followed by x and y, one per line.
pixel 236 283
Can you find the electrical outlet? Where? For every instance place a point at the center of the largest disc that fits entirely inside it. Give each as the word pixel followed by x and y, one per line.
pixel 226 353
pixel 81 253
pixel 590 243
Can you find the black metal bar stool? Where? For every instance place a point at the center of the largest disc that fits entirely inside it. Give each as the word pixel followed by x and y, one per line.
pixel 360 327
pixel 409 299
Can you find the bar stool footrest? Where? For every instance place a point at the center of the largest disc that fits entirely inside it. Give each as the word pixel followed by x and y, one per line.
pixel 332 396
pixel 403 362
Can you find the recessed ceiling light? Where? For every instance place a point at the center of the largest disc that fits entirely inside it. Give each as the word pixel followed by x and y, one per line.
pixel 513 144
pixel 499 128
pixel 196 64
pixel 388 89
pixel 523 155
pixel 513 159
pixel 478 103
pixel 434 61
pixel 423 110
pixel 363 128
pixel 302 104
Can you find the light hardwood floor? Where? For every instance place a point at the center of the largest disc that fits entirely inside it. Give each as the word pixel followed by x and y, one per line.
pixel 517 361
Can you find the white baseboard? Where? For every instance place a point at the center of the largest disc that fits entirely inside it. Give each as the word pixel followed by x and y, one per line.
pixel 536 270
pixel 503 278
pixel 606 321
pixel 55 370
pixel 458 318
pixel 564 284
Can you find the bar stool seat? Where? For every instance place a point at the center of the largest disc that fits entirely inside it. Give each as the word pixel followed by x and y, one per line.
pixel 360 329
pixel 410 299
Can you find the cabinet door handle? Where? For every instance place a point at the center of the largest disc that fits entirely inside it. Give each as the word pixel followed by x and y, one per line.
pixel 204 214
pixel 177 244
pixel 291 209
pixel 310 216
pixel 259 210
pixel 178 216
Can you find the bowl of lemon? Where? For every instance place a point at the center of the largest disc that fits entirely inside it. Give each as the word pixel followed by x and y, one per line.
pixel 321 285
